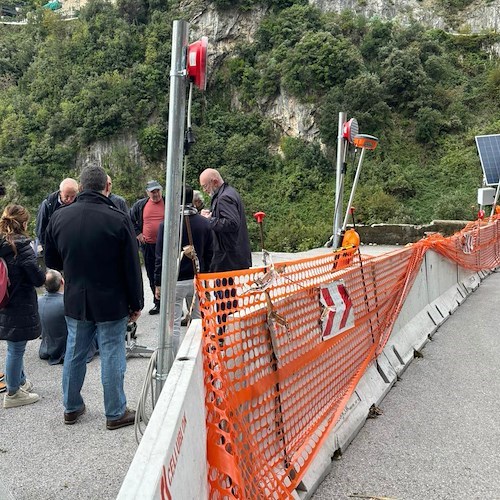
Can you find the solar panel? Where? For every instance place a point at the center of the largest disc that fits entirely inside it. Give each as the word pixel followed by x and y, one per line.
pixel 488 147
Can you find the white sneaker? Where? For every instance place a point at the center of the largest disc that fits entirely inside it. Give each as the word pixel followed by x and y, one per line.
pixel 20 398
pixel 27 386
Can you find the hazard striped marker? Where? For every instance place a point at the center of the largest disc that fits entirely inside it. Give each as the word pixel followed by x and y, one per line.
pixel 338 313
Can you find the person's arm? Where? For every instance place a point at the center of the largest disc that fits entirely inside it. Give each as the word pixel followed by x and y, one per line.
pixel 35 275
pixel 53 259
pixel 132 269
pixel 135 216
pixel 228 219
pixel 42 220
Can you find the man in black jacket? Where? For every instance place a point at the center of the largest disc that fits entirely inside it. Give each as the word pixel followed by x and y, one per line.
pixel 146 215
pixel 228 223
pixel 118 201
pixel 201 236
pixel 94 243
pixel 68 189
pixel 231 244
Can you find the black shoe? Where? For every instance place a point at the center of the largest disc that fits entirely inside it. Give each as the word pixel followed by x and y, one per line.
pixel 128 418
pixel 155 310
pixel 72 417
pixel 185 321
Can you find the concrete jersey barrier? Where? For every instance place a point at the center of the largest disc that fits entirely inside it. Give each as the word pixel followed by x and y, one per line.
pixel 171 461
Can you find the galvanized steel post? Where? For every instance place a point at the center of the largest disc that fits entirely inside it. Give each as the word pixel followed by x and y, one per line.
pixel 173 186
pixel 339 185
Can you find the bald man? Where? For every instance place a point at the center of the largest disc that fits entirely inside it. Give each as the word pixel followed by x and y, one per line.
pixel 231 245
pixel 68 189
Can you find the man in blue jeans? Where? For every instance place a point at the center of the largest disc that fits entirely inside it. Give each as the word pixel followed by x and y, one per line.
pixel 94 243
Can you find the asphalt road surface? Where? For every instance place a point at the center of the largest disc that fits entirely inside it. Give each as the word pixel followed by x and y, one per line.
pixel 439 434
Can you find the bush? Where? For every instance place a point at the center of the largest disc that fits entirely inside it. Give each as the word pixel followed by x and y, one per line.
pixel 318 62
pixel 458 204
pixel 152 141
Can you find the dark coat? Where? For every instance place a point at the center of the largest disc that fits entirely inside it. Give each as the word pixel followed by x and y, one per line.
pixel 93 242
pixel 19 319
pixel 119 202
pixel 47 208
pixel 231 245
pixel 54 329
pixel 202 241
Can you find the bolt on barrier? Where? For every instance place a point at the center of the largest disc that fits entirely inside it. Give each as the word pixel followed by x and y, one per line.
pixel 285 346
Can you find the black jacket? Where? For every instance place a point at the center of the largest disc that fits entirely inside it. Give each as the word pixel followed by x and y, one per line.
pixel 93 242
pixel 231 243
pixel 45 211
pixel 119 202
pixel 202 241
pixel 19 319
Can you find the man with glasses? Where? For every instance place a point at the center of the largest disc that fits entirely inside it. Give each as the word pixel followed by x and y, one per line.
pixel 231 245
pixel 68 189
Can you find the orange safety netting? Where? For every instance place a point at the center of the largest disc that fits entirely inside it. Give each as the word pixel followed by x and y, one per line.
pixel 286 344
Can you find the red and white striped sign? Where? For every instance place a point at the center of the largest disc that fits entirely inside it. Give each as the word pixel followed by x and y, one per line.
pixel 338 313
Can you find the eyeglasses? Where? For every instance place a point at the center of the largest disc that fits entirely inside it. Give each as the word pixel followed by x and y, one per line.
pixel 204 186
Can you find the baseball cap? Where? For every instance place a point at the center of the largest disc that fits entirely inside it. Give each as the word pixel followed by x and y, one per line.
pixel 152 185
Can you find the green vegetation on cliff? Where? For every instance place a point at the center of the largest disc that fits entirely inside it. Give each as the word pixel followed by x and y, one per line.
pixel 424 93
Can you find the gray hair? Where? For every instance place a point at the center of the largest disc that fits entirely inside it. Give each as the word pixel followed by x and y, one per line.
pixel 53 280
pixel 94 178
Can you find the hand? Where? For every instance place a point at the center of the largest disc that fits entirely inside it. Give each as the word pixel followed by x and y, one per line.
pixel 206 213
pixel 141 239
pixel 157 292
pixel 134 315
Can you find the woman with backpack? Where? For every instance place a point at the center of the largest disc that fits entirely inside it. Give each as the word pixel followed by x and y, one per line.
pixel 19 320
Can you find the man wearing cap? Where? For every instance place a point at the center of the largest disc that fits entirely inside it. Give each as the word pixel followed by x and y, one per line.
pixel 146 215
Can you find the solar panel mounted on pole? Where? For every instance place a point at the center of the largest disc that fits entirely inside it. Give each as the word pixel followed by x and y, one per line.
pixel 488 147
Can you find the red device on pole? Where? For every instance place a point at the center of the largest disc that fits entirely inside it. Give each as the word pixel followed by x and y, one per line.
pixel 197 62
pixel 259 217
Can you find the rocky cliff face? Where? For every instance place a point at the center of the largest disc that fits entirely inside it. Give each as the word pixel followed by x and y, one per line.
pixel 401 10
pixel 101 152
pixel 225 29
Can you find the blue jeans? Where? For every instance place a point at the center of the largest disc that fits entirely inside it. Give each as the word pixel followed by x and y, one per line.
pixel 14 365
pixel 111 341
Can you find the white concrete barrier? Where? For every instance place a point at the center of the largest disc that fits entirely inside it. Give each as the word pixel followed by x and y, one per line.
pixel 170 462
pixel 439 288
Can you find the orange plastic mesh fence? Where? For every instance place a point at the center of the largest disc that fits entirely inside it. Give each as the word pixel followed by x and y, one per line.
pixel 285 345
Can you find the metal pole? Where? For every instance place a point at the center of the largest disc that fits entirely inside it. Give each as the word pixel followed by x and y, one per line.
pixel 353 190
pixel 173 184
pixel 337 218
pixel 495 201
